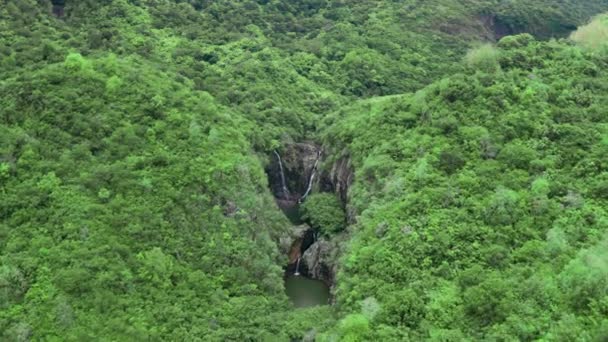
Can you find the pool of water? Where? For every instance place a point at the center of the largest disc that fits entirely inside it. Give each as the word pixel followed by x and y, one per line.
pixel 306 292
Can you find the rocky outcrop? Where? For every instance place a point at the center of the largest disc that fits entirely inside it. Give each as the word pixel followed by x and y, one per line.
pixel 338 179
pixel 319 261
pixel 295 244
pixel 290 174
pixel 317 256
pixel 297 161
pixel 341 177
pixel 301 159
pixel 495 27
pixel 287 241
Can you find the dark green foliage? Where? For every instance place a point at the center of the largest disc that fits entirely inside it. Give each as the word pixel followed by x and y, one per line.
pixel 324 212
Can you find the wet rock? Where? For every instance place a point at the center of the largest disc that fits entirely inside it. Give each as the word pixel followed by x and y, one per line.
pixel 297 161
pixel 296 233
pixel 300 160
pixel 342 176
pixel 338 179
pixel 318 259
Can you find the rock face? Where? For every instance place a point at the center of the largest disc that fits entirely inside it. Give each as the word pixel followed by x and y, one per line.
pixel 339 179
pixel 495 27
pixel 287 241
pixel 298 163
pixel 318 261
pixel 292 168
pixel 317 256
pixel 295 245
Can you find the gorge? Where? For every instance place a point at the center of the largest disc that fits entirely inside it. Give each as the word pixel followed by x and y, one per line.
pixel 294 175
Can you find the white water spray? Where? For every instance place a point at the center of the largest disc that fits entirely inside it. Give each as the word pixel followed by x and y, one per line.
pixel 297 272
pixel 312 178
pixel 283 183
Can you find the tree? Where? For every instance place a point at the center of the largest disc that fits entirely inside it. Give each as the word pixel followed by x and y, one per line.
pixel 484 58
pixel 324 212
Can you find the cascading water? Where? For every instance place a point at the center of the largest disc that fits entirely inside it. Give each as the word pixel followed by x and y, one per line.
pixel 283 183
pixel 311 179
pixel 303 290
pixel 297 272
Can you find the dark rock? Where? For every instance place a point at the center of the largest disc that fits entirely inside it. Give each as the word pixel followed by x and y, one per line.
pixel 299 161
pixel 287 240
pixel 342 176
pixel 319 261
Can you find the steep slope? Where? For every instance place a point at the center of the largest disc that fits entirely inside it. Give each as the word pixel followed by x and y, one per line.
pixel 482 201
pixel 127 194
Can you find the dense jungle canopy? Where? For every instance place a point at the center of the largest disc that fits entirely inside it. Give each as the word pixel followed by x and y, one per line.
pixel 136 138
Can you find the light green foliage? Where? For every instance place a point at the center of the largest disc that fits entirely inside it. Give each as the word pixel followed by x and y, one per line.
pixel 4 172
pixel 594 35
pixel 74 62
pixel 95 200
pixel 585 277
pixel 484 58
pixel 353 328
pixel 370 308
pixel 324 212
pixel 113 84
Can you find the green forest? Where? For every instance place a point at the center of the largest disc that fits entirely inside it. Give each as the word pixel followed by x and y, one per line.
pixel 440 166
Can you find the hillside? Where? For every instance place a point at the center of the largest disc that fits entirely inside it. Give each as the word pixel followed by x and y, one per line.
pixel 440 166
pixel 482 201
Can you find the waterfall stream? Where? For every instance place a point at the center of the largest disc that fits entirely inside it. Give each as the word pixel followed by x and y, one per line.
pixel 297 272
pixel 303 290
pixel 312 178
pixel 283 183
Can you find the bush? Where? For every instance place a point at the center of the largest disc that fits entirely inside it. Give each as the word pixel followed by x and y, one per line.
pixel 75 62
pixel 515 42
pixel 324 212
pixel 484 58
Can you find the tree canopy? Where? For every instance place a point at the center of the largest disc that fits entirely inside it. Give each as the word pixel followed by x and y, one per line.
pixel 135 135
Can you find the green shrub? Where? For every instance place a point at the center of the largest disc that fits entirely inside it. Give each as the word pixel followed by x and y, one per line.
pixel 516 41
pixel 324 212
pixel 484 58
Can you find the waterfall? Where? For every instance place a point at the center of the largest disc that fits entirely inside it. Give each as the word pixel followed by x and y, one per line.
pixel 312 178
pixel 283 183
pixel 297 272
